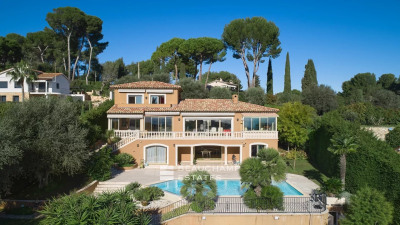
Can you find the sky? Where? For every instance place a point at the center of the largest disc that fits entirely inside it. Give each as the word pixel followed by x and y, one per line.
pixel 343 38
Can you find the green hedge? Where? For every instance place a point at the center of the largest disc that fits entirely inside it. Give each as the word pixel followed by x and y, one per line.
pixel 375 164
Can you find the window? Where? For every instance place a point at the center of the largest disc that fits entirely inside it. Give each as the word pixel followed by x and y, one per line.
pixel 15 98
pixel 17 85
pixel 157 99
pixel 255 149
pixel 156 154
pixel 135 99
pixel 259 123
pixel 114 124
pixel 134 124
pixel 3 84
pixel 3 98
pixel 57 85
pixel 208 125
pixel 158 124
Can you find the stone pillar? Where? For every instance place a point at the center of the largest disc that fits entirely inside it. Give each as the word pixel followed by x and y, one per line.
pixel 191 155
pixel 226 155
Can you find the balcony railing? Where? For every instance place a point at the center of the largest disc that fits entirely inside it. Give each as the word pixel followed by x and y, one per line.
pixel 135 134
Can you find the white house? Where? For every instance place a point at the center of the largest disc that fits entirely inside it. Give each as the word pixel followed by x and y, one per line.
pixel 46 84
pixel 221 83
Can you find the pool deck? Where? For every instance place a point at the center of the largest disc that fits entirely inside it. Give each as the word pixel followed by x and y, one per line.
pixel 150 176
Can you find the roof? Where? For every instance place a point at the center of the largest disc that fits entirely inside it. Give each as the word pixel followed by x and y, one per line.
pixel 146 84
pixel 48 76
pixel 197 105
pixel 220 105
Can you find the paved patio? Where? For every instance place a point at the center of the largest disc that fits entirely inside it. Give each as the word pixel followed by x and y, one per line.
pixel 150 175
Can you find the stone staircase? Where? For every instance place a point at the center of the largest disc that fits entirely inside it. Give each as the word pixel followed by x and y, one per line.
pixel 108 186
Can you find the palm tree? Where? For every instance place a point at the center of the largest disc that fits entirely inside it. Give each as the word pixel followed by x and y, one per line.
pixel 22 73
pixel 200 189
pixel 259 172
pixel 342 145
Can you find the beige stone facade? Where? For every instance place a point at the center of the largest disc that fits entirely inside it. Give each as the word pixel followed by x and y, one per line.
pixel 10 96
pixel 253 219
pixel 178 132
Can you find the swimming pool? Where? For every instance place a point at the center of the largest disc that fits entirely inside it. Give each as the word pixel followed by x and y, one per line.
pixel 225 187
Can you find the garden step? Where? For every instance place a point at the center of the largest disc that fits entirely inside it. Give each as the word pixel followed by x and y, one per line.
pixel 109 187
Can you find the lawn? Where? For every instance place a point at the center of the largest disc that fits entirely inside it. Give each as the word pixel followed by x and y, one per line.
pixel 304 168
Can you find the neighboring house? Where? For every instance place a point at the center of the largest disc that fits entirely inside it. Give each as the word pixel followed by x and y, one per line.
pixel 156 128
pixel 220 83
pixel 46 84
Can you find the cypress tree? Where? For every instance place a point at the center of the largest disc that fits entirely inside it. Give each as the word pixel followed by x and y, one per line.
pixel 288 85
pixel 310 76
pixel 270 84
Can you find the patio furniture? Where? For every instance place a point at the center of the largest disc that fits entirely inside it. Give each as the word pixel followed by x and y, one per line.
pixel 206 152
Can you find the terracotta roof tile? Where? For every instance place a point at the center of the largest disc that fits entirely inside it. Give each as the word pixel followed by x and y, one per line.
pixel 46 76
pixel 146 84
pixel 220 105
pixel 196 105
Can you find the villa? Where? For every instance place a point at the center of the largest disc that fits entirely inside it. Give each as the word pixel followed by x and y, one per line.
pixel 45 84
pixel 157 128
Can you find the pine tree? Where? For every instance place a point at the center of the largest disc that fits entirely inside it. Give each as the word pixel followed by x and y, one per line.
pixel 310 76
pixel 257 81
pixel 270 84
pixel 288 85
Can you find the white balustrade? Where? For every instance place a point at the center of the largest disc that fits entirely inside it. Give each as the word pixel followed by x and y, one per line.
pixel 130 135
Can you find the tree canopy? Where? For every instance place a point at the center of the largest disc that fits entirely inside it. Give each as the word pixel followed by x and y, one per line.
pixel 310 76
pixel 251 40
pixel 287 85
pixel 42 137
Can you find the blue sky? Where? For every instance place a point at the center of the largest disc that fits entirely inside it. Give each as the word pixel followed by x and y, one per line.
pixel 342 37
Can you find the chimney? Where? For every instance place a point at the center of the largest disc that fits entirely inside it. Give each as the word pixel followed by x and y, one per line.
pixel 235 98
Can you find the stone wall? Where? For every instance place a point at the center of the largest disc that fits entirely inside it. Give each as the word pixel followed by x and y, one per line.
pixel 379 132
pixel 254 219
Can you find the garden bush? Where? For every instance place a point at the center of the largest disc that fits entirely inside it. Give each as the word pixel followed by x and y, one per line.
pixel 99 167
pixel 124 160
pixel 393 137
pixel 368 206
pixel 148 194
pixel 290 155
pixel 107 208
pixel 133 186
pixel 332 186
pixel 271 198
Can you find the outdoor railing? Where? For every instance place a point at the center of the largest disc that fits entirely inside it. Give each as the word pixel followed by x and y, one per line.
pixel 196 135
pixel 237 205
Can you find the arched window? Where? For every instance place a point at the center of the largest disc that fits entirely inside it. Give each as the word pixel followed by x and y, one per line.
pixel 156 154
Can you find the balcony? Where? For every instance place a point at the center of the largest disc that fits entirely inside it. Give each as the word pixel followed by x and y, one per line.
pixel 135 134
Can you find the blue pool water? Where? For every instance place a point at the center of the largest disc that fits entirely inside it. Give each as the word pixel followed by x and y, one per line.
pixel 225 187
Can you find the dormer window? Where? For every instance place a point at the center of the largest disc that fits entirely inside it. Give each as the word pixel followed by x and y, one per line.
pixel 157 99
pixel 135 99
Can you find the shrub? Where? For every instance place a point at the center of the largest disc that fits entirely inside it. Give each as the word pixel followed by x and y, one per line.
pixel 133 186
pixel 220 93
pixel 368 206
pixel 124 160
pixel 290 155
pixel 271 198
pixel 322 98
pixel 255 95
pixel 100 165
pixel 332 186
pixel 393 137
pixel 148 194
pixel 107 208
